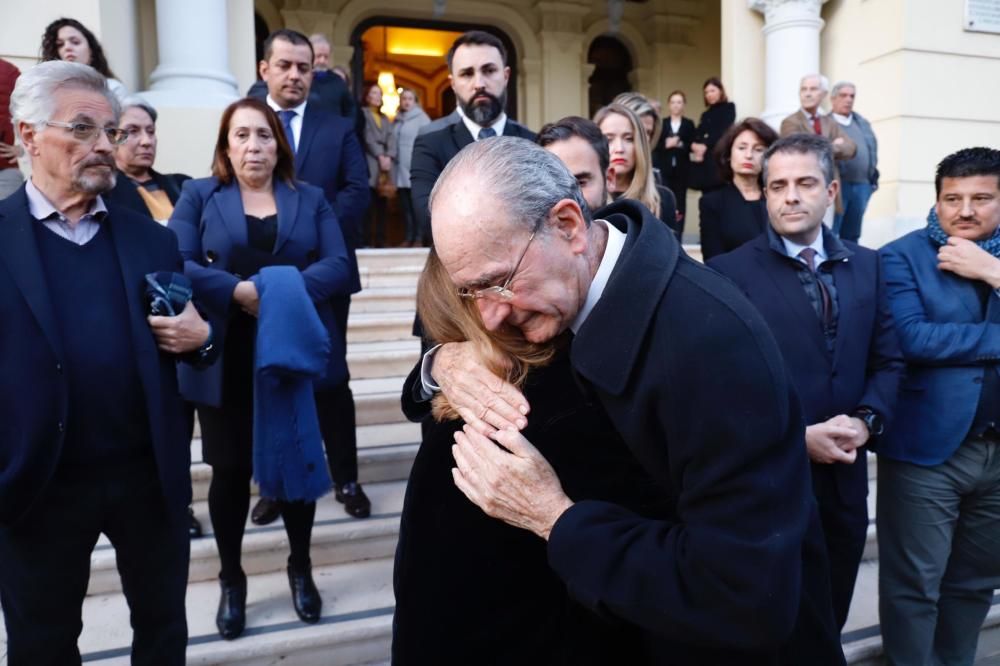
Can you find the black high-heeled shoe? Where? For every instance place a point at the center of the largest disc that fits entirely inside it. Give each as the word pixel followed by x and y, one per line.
pixel 231 618
pixel 305 597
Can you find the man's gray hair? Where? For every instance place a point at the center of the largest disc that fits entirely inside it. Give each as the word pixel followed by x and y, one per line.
pixel 528 179
pixel 137 102
pixel 319 38
pixel 840 85
pixel 824 83
pixel 802 144
pixel 33 99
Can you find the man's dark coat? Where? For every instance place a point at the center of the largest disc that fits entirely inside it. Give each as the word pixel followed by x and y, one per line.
pixel 863 370
pixel 695 384
pixel 34 393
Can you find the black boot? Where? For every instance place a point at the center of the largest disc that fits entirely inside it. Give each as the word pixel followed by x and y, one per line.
pixel 266 512
pixel 305 596
pixel 232 616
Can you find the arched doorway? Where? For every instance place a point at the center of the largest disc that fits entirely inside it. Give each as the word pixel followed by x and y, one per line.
pixel 414 51
pixel 612 65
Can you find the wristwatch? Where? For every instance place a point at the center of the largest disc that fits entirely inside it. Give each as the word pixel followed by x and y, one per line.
pixel 871 419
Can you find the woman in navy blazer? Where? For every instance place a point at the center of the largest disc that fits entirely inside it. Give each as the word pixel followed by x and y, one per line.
pixel 248 215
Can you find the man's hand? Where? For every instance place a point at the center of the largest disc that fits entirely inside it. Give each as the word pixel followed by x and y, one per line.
pixel 965 258
pixel 187 332
pixel 826 443
pixel 861 433
pixel 839 141
pixel 519 487
pixel 482 399
pixel 245 295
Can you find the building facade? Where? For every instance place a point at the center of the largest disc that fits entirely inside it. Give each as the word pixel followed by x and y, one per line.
pixel 925 76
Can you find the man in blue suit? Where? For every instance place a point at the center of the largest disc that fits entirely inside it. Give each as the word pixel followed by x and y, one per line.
pixel 93 436
pixel 825 302
pixel 329 156
pixel 939 467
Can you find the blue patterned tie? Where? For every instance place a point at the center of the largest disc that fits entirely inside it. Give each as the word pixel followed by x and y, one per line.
pixel 487 133
pixel 286 116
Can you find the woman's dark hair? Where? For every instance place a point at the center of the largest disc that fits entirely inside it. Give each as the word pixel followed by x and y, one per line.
pixel 724 148
pixel 966 163
pixel 713 81
pixel 677 92
pixel 50 50
pixel 365 89
pixel 221 166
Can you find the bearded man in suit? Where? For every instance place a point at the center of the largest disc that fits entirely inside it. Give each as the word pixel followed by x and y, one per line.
pixel 479 76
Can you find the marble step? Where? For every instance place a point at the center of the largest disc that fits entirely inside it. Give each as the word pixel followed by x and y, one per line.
pixel 379 326
pixel 337 539
pixel 861 638
pixel 400 275
pixel 385 299
pixel 369 360
pixel 355 629
pixel 374 260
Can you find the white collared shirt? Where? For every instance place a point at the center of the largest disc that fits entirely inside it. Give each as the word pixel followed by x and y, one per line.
pixel 296 122
pixel 612 251
pixel 843 120
pixel 793 249
pixel 80 233
pixel 498 125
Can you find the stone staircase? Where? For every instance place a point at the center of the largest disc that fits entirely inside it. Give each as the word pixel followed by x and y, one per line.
pixel 353 558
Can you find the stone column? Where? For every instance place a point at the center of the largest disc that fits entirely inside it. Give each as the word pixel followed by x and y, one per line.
pixel 791 32
pixel 193 45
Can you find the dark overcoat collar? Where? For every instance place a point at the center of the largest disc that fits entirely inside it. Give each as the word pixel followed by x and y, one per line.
pixel 606 349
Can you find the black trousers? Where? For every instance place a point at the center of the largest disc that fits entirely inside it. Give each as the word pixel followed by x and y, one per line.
pixel 45 565
pixel 845 529
pixel 377 212
pixel 335 408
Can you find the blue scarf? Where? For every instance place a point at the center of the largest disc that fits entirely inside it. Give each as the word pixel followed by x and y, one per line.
pixel 291 352
pixel 938 235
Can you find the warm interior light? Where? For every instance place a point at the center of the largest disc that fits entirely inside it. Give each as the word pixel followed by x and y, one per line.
pixel 419 41
pixel 390 98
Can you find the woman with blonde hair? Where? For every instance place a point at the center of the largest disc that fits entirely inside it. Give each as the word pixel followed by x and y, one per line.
pixel 633 163
pixel 474 590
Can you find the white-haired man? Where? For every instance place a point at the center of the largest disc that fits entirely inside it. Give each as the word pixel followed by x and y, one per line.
pixel 93 422
pixel 858 175
pixel 810 119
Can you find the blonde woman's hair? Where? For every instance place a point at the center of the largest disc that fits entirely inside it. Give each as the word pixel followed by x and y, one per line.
pixel 642 107
pixel 447 317
pixel 642 188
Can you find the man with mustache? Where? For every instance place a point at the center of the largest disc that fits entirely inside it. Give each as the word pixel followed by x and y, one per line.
pixel 479 73
pixel 824 300
pixel 93 439
pixel 939 466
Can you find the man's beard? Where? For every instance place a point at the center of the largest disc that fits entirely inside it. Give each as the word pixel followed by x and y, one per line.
pixel 484 114
pixel 95 182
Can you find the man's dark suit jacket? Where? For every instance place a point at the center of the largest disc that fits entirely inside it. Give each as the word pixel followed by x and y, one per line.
pixel 433 151
pixel 125 194
pixel 696 386
pixel 329 156
pixel 33 394
pixel 866 364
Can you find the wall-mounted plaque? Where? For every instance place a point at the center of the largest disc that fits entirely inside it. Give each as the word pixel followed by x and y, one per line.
pixel 982 16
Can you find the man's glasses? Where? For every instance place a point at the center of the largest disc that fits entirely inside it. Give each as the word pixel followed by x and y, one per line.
pixel 501 292
pixel 89 133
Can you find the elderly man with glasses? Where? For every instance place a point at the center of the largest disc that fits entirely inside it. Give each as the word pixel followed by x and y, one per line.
pixel 93 439
pixel 694 384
